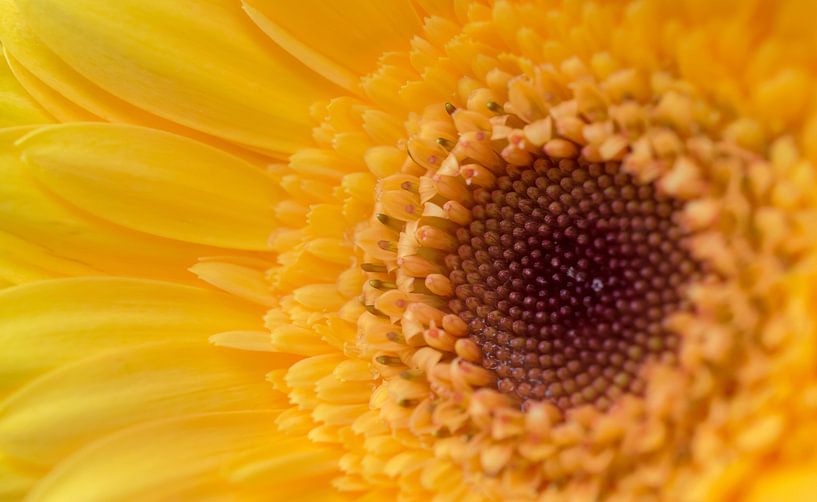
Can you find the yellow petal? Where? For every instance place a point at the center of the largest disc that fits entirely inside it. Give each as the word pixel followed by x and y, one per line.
pixel 319 297
pixel 72 405
pixel 792 483
pixel 23 261
pixel 443 8
pixel 244 282
pixel 290 466
pixel 167 460
pixel 341 43
pixel 16 106
pixel 43 72
pixel 258 341
pixel 155 182
pixel 71 97
pixel 199 63
pixel 43 237
pixel 14 483
pixel 62 109
pixel 46 324
pixel 294 340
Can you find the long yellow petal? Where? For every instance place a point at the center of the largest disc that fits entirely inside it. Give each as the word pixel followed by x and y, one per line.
pixel 155 182
pixel 46 324
pixel 43 237
pixel 293 467
pixel 16 106
pixel 14 483
pixel 39 64
pixel 342 42
pixel 160 460
pixel 71 97
pixel 20 42
pixel 23 261
pixel 66 408
pixel 199 63
pixel 54 103
pixel 241 281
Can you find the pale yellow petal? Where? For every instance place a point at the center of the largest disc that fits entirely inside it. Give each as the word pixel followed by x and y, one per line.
pixel 257 341
pixel 72 405
pixel 341 41
pixel 301 341
pixel 16 105
pixel 159 461
pixel 155 182
pixel 199 63
pixel 50 238
pixel 46 324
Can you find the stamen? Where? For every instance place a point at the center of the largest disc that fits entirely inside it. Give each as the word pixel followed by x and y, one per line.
pixel 494 107
pixel 373 268
pixel 390 222
pixel 439 285
pixel 416 266
pixel 410 187
pixel 436 238
pixel 372 310
pixel 447 144
pixel 395 337
pixel 378 284
pixel 387 245
pixel 457 213
pixel 388 360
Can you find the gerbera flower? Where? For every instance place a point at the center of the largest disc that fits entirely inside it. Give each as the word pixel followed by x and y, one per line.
pixel 386 250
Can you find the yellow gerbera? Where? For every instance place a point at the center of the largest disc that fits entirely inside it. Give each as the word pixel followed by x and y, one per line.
pixel 408 250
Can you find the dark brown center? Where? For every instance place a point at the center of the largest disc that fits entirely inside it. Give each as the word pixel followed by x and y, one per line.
pixel 565 276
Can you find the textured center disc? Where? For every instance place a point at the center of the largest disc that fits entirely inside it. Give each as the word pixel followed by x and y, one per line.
pixel 565 276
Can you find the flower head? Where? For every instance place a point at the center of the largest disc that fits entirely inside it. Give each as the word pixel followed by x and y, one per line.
pixel 470 250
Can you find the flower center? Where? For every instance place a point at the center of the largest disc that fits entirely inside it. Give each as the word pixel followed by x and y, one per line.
pixel 564 277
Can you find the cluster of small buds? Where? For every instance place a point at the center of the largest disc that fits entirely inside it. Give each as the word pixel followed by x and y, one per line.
pixel 565 274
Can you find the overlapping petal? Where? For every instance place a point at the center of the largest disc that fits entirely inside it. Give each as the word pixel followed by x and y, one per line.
pixel 188 458
pixel 211 87
pixel 46 237
pixel 56 105
pixel 309 30
pixel 199 64
pixel 155 182
pixel 69 96
pixel 74 404
pixel 16 106
pixel 49 323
